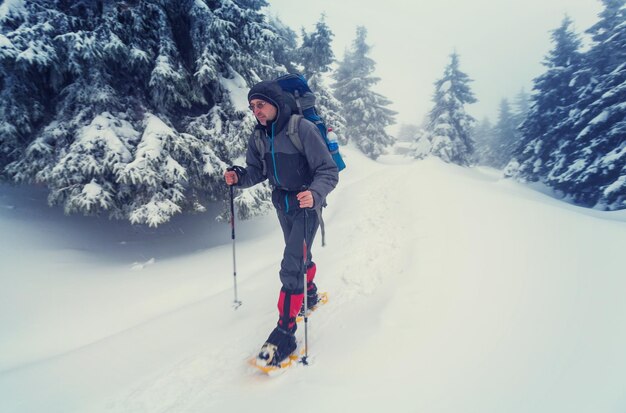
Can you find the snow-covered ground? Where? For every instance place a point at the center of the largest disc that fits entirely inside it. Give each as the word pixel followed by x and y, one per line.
pixel 450 289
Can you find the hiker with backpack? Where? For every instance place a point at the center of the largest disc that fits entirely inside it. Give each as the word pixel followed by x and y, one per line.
pixel 301 178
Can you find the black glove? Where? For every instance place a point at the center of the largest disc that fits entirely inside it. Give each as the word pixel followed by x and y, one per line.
pixel 240 171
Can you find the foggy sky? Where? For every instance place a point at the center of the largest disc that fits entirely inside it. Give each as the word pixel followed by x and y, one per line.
pixel 501 43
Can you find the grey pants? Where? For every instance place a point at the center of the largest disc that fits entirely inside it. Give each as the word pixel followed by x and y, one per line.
pixel 292 224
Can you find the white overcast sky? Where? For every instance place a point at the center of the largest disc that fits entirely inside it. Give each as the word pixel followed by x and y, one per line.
pixel 501 43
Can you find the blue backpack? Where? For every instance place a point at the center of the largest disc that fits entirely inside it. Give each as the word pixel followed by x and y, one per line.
pixel 297 86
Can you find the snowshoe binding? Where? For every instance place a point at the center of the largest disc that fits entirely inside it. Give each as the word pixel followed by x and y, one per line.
pixel 277 349
pixel 312 298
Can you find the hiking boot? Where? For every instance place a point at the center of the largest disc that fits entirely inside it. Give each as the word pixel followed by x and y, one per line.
pixel 312 298
pixel 311 289
pixel 279 345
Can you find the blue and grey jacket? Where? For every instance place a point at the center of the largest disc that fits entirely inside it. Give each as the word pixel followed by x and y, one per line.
pixel 288 170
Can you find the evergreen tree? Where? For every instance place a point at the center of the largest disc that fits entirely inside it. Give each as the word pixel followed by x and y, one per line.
pixel 522 107
pixel 449 127
pixel 553 94
pixel 608 37
pixel 329 107
pixel 284 47
pixel 365 110
pixel 131 109
pixel 484 137
pixel 316 56
pixel 506 135
pixel 591 165
pixel 574 133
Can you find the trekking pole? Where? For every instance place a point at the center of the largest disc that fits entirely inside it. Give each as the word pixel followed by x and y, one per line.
pixel 236 302
pixel 306 303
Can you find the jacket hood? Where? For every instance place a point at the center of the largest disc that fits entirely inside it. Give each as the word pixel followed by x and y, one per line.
pixel 272 93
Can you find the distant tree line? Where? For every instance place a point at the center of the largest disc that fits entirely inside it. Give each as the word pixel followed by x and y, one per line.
pixel 569 134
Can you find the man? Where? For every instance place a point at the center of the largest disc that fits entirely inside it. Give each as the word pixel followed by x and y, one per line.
pixel 300 182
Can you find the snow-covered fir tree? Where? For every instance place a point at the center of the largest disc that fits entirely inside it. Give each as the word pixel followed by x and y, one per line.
pixel 483 135
pixel 316 56
pixel 285 45
pixel 553 94
pixel 131 108
pixel 506 135
pixel 574 134
pixel 365 111
pixel 496 144
pixel 448 134
pixel 521 105
pixel 590 168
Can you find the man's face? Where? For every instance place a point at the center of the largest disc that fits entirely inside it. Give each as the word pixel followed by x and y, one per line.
pixel 263 111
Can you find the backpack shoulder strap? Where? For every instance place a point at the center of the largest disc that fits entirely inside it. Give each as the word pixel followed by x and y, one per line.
pixel 292 132
pixel 260 146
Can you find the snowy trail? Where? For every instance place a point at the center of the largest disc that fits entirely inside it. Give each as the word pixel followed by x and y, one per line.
pixel 450 291
pixel 221 365
pixel 349 268
pixel 390 267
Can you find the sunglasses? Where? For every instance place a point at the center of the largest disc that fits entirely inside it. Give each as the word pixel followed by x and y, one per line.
pixel 258 105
